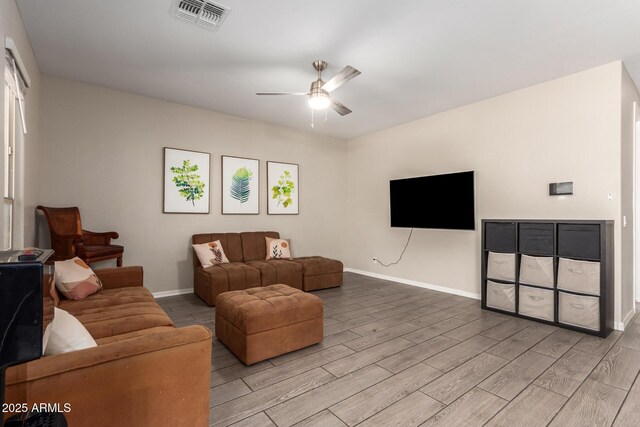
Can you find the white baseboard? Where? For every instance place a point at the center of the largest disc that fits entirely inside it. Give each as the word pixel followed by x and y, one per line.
pixel 619 326
pixel 173 293
pixel 415 283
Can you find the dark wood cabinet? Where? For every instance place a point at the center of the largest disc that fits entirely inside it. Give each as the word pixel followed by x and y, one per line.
pixel 557 272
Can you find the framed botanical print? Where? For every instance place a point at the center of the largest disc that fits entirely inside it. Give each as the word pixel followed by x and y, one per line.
pixel 240 185
pixel 283 188
pixel 186 181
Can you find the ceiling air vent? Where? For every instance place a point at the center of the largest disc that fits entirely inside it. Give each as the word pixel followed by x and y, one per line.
pixel 204 13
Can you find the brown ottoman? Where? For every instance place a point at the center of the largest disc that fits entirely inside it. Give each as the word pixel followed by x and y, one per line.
pixel 319 272
pixel 260 323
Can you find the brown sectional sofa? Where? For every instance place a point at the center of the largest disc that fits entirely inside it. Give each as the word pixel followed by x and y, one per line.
pixel 143 372
pixel 248 267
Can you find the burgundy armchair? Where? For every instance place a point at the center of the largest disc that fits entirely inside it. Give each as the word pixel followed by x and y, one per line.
pixel 69 240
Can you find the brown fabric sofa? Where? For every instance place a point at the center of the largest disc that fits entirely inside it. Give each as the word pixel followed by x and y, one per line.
pixel 248 267
pixel 143 372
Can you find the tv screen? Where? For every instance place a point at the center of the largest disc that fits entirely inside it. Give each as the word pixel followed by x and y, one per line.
pixel 437 201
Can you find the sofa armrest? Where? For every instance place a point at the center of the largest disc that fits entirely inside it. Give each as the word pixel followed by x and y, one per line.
pixel 120 277
pixel 156 379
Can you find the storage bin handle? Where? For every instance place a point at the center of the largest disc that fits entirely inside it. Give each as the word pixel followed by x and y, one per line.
pixel 535 298
pixel 577 305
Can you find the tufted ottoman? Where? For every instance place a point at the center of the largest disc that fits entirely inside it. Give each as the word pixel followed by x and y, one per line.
pixel 320 272
pixel 259 323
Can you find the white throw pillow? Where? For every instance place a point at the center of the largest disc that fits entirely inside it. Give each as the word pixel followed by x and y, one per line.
pixel 210 254
pixel 278 248
pixel 75 279
pixel 67 334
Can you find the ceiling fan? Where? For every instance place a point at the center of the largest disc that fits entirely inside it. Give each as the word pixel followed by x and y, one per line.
pixel 319 98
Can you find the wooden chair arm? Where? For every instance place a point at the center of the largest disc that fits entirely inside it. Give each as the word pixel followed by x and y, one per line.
pixel 92 238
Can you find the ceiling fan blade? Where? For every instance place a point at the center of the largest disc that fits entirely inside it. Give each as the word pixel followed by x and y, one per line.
pixel 341 78
pixel 340 109
pixel 282 93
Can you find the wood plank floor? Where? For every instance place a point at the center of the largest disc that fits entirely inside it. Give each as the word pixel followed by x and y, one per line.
pixel 399 355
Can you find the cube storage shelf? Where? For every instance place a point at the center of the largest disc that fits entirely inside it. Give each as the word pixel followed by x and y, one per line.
pixel 558 272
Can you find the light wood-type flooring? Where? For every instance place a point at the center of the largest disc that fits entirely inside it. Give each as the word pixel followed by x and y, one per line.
pixel 398 355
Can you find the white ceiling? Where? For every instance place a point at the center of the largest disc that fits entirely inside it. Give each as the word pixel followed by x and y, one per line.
pixel 417 57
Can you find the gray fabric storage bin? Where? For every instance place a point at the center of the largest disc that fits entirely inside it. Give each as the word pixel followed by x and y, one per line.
pixel 579 276
pixel 536 270
pixel 536 303
pixel 579 310
pixel 502 296
pixel 501 266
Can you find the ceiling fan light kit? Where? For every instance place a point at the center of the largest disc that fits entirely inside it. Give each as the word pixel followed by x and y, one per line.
pixel 319 98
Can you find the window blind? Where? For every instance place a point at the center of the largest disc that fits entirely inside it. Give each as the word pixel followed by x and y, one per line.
pixel 20 76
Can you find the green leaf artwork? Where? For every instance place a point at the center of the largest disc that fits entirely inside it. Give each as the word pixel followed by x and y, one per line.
pixel 240 184
pixel 188 181
pixel 283 191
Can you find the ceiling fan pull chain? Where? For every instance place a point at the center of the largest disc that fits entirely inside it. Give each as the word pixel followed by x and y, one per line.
pixel 312 118
pixel 325 116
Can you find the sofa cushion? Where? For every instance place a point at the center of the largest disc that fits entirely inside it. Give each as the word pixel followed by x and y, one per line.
pixel 212 281
pixel 278 248
pixel 230 242
pixel 75 279
pixel 211 253
pixel 261 309
pixel 117 311
pixel 67 334
pixel 134 334
pixel 253 244
pixel 236 275
pixel 315 265
pixel 279 271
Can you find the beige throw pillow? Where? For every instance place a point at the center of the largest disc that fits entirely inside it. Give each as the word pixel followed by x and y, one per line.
pixel 278 248
pixel 75 280
pixel 66 333
pixel 210 254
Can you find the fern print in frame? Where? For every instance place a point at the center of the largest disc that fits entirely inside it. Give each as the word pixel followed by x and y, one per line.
pixel 186 181
pixel 240 185
pixel 240 190
pixel 283 188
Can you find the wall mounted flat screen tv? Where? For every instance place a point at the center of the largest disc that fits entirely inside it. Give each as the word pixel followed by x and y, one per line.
pixel 437 201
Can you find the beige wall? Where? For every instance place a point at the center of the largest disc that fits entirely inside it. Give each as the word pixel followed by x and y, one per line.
pixel 11 26
pixel 629 95
pixel 104 152
pixel 567 129
pixel 563 130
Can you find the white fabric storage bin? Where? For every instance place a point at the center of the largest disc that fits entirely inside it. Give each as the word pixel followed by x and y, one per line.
pixel 536 303
pixel 579 310
pixel 501 296
pixel 501 266
pixel 536 270
pixel 579 276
